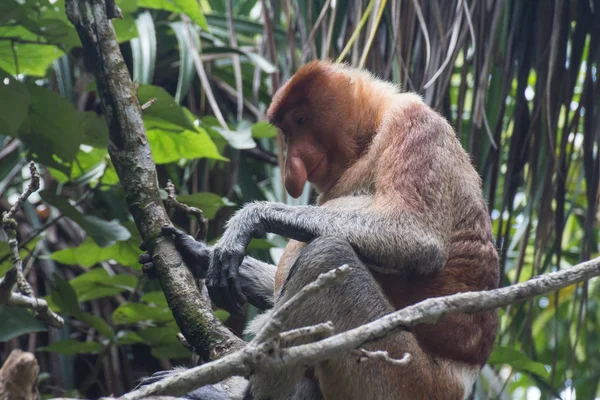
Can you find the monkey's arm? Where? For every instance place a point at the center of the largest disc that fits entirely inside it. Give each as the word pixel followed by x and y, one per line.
pixel 400 243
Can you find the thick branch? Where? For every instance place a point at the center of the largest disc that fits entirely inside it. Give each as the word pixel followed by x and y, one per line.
pixel 264 356
pixel 131 156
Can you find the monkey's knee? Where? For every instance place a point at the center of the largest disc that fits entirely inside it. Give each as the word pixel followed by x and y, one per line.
pixel 322 255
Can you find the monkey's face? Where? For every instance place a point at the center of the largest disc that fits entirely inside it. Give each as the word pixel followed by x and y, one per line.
pixel 315 150
pixel 307 157
pixel 314 115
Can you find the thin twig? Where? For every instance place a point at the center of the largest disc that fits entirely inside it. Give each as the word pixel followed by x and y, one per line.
pixel 324 329
pixel 366 355
pixel 172 202
pixel 40 306
pixel 147 104
pixel 15 274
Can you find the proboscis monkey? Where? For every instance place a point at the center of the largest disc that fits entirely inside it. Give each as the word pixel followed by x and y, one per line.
pixel 400 203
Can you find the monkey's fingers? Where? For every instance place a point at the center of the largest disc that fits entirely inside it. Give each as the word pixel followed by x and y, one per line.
pixel 149 270
pixel 222 285
pixel 235 287
pixel 227 294
pixel 171 230
pixel 145 258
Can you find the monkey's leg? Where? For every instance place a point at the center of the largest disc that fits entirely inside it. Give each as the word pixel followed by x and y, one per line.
pixel 354 302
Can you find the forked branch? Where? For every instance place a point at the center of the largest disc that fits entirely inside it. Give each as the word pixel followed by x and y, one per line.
pixel 262 354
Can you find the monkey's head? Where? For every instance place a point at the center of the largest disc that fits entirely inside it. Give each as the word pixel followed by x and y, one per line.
pixel 318 112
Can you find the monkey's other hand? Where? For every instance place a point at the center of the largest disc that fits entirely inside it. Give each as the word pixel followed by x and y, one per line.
pixel 195 254
pixel 222 281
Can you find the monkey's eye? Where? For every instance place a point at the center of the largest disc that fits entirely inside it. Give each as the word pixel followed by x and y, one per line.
pixel 300 120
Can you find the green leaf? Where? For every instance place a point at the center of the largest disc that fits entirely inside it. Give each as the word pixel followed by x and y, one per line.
pixel 104 233
pixel 125 28
pixel 157 298
pixel 97 283
pixel 517 360
pixel 164 109
pixel 64 297
pixel 32 59
pixel 263 130
pixel 209 203
pixel 88 254
pixel 128 337
pixel 97 323
pixel 130 313
pixel 46 136
pixel 94 129
pixel 72 347
pixel 17 322
pixel 189 7
pixel 14 103
pixel 170 146
pixel 127 6
pixel 163 341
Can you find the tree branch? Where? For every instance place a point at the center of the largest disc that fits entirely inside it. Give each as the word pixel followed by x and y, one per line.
pixel 262 354
pixel 130 153
pixel 15 274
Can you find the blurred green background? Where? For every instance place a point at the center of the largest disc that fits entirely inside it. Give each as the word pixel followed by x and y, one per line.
pixel 518 80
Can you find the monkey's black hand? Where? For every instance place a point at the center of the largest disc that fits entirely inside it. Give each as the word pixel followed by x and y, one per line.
pixel 222 280
pixel 195 254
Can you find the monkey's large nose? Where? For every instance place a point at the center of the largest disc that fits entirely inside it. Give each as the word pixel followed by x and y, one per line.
pixel 295 176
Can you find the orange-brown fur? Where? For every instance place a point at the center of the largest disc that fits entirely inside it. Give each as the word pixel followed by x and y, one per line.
pixel 392 146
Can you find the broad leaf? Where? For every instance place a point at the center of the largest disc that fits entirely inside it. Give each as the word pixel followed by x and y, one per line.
pixel 48 137
pixel 128 337
pixel 88 254
pixel 125 28
pixel 163 341
pixel 164 109
pixel 168 146
pixel 97 283
pixel 14 103
pixel 97 323
pixel 189 7
pixel 517 360
pixel 32 59
pixel 156 298
pixel 64 297
pixel 17 322
pixel 263 129
pixel 130 313
pixel 94 129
